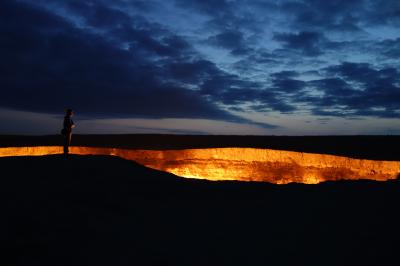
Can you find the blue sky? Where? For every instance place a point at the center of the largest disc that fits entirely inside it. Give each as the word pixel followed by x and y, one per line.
pixel 286 67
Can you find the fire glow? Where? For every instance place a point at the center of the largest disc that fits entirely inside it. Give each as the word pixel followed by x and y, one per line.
pixel 241 164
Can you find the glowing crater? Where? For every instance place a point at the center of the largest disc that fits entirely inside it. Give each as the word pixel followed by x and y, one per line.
pixel 243 164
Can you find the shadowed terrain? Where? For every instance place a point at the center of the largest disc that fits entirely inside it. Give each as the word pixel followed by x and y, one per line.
pixel 98 210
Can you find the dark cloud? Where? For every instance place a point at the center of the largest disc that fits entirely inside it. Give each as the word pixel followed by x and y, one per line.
pixel 256 59
pixel 314 15
pixel 288 85
pixel 230 90
pixel 305 15
pixel 193 72
pixel 232 40
pixel 348 90
pixel 98 15
pixel 48 64
pixel 389 48
pixel 383 12
pixel 361 72
pixel 333 87
pixel 341 15
pixel 375 93
pixel 285 74
pixel 307 43
pixel 365 73
pixel 210 7
pixel 225 18
pixel 272 100
pixel 153 58
pixel 225 15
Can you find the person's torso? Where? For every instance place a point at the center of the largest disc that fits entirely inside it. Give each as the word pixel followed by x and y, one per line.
pixel 68 123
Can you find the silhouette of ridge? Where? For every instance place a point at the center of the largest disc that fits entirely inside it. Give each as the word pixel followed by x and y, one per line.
pixel 101 210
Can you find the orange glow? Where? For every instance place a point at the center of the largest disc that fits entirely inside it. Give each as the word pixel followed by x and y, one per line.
pixel 243 164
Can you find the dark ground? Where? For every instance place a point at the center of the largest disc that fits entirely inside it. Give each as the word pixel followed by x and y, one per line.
pixel 96 210
pixel 365 147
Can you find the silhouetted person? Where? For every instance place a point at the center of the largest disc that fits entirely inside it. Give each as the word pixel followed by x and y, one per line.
pixel 67 129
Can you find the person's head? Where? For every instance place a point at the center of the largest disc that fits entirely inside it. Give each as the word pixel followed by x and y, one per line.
pixel 69 112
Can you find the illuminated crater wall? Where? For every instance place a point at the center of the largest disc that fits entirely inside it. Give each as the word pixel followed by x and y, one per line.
pixel 244 164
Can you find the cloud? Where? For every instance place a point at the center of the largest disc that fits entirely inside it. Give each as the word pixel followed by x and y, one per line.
pixel 307 43
pixel 233 40
pixel 390 48
pixel 285 74
pixel 288 85
pixel 48 64
pixel 191 71
pixel 335 87
pixel 340 16
pixel 361 72
pixel 158 59
pixel 383 12
pixel 231 91
pixel 209 7
pixel 327 15
pixel 226 15
pixel 358 89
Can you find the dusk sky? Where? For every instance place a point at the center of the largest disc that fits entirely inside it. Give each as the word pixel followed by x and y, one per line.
pixel 283 67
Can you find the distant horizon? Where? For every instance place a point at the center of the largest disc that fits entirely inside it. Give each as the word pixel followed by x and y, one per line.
pixel 194 135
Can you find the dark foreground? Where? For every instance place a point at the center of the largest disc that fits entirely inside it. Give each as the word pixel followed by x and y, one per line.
pixel 92 210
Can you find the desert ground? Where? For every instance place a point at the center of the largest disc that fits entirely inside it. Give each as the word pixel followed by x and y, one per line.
pixel 103 210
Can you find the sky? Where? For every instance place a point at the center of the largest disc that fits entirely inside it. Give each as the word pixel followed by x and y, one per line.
pixel 246 67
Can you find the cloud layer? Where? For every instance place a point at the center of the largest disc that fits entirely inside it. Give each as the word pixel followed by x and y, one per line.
pixel 200 59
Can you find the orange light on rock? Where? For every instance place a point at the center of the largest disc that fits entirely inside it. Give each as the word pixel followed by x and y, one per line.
pixel 242 164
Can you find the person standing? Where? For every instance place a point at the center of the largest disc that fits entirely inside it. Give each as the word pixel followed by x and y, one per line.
pixel 68 125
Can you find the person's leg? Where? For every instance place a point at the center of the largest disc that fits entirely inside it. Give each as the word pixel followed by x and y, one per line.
pixel 69 139
pixel 67 142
